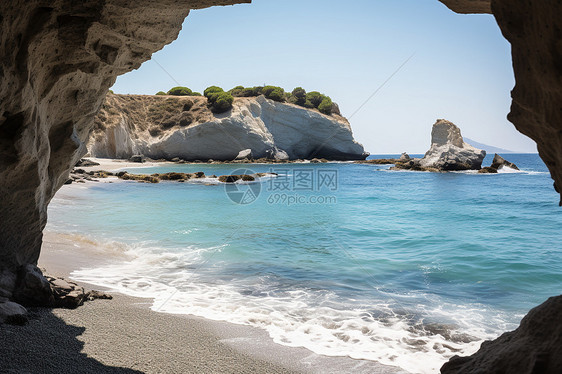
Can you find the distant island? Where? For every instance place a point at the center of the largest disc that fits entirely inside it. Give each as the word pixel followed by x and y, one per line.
pixel 486 147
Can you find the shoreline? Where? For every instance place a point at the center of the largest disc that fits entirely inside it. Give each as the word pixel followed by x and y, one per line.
pixel 235 348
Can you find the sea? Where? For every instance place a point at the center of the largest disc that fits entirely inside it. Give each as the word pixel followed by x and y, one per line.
pixel 400 267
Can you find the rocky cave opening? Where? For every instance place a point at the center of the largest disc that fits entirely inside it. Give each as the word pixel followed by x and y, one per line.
pixel 58 62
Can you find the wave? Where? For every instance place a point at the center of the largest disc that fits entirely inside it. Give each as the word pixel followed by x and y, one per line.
pixel 383 330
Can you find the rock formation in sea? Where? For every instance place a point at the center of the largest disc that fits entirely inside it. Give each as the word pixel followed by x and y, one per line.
pixel 166 127
pixel 448 152
pixel 60 58
pixel 499 163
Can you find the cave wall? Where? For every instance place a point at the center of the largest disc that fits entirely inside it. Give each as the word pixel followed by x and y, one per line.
pixel 469 6
pixel 58 60
pixel 534 29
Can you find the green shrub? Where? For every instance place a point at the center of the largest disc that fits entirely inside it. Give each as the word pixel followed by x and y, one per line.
pixel 212 96
pixel 267 90
pixel 299 95
pixel 111 92
pixel 221 102
pixel 277 94
pixel 274 93
pixel 326 106
pixel 308 104
pixel 236 91
pixel 251 92
pixel 161 93
pixel 180 91
pixel 247 92
pixel 212 89
pixel 196 94
pixel 315 98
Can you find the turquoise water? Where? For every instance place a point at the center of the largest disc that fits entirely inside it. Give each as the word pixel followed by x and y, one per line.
pixel 405 268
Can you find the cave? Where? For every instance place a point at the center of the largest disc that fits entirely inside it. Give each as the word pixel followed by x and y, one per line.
pixel 60 58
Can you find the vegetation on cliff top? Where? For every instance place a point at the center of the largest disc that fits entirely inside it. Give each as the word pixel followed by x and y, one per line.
pixel 221 101
pixel 299 96
pixel 180 91
pixel 218 100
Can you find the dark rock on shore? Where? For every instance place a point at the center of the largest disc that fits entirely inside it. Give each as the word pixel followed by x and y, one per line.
pixel 81 176
pixel 85 162
pixel 414 165
pixel 534 347
pixel 139 177
pixel 97 295
pixel 182 177
pixel 234 178
pixel 137 158
pixel 33 289
pixel 488 170
pixel 12 313
pixel 229 178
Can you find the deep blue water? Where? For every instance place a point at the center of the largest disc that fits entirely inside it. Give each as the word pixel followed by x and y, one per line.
pixel 400 267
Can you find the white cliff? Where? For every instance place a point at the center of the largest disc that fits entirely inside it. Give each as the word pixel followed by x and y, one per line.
pixel 169 127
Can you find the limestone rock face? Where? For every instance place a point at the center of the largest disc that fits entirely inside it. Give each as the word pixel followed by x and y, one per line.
pixel 534 347
pixel 132 124
pixel 448 150
pixel 59 59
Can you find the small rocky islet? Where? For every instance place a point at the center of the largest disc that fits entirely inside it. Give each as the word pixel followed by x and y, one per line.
pixel 448 152
pixel 83 176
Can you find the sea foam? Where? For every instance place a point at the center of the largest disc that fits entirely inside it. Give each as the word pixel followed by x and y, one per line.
pixel 314 319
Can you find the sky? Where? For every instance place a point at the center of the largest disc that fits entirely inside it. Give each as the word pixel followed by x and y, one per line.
pixel 421 61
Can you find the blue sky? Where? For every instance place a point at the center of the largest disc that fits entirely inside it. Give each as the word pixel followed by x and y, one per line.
pixel 460 69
